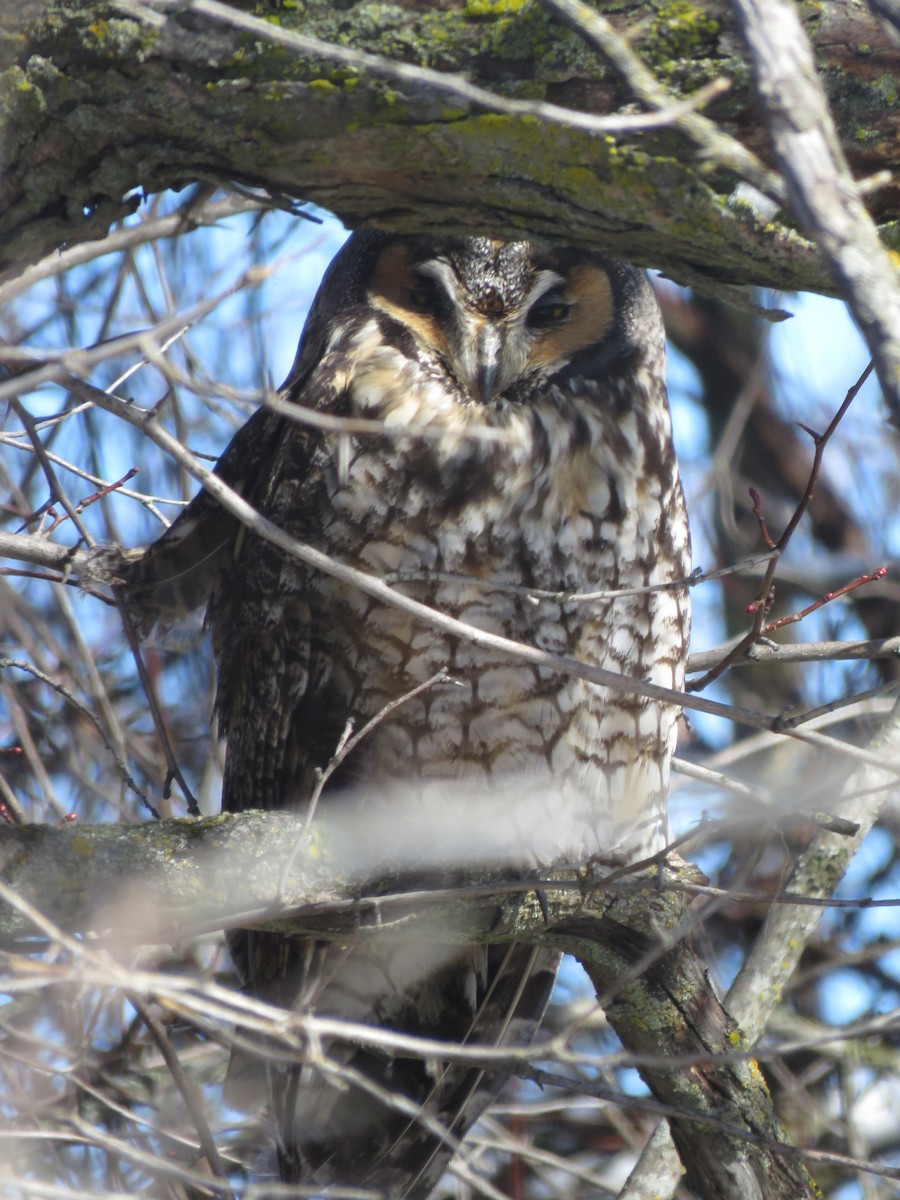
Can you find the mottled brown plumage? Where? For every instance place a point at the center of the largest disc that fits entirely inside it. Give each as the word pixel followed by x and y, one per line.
pixel 561 354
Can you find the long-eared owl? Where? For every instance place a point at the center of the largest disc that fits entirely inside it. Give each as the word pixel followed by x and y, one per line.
pixel 512 433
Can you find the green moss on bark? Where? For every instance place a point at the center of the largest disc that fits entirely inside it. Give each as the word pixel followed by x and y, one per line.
pixel 98 104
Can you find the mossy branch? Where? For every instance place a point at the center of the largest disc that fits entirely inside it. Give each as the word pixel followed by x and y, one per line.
pixel 99 99
pixel 170 879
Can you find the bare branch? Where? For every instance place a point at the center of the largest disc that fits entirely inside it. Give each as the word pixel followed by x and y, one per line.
pixel 777 951
pixel 761 605
pixel 768 968
pixel 798 652
pixel 820 186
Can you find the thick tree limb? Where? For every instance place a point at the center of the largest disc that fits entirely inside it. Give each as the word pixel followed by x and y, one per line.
pixel 173 878
pixel 187 876
pixel 673 1005
pixel 99 98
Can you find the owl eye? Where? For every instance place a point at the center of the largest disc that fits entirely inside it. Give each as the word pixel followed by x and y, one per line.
pixel 429 297
pixel 551 309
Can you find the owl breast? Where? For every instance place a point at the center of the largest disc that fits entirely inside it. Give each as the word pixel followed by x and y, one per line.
pixel 553 494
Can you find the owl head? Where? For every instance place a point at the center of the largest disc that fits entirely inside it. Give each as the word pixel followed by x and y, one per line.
pixel 498 316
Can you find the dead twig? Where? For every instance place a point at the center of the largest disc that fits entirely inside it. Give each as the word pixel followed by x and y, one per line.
pixel 763 599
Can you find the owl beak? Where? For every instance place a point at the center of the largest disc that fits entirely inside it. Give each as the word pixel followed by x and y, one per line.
pixel 488 346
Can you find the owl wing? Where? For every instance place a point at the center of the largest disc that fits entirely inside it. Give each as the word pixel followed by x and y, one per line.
pixel 184 570
pixel 165 582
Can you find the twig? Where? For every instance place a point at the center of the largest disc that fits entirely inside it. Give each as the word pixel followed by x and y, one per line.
pixel 11 811
pixel 193 1101
pixel 883 689
pixel 29 668
pixel 95 496
pixel 740 1133
pixel 56 492
pixel 127 237
pixel 722 828
pixel 758 513
pixel 760 604
pixel 22 732
pixel 14 573
pixel 29 371
pixel 715 145
pixel 794 652
pixel 332 423
pixel 97 684
pixel 718 779
pixel 149 502
pixel 696 577
pixel 878 573
pixel 782 899
pixel 173 770
pixel 505 1142
pixel 146 683
pixel 347 744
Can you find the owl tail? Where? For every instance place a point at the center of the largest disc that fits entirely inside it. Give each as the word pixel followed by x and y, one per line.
pixel 378 1120
pixel 510 1015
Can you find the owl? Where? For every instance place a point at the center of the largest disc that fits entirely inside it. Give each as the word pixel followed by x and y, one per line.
pixel 506 446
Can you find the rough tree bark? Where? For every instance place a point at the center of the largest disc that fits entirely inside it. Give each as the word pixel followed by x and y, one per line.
pixel 99 100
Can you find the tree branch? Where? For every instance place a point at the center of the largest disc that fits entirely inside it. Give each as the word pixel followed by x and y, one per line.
pixel 176 878
pixel 821 189
pixel 507 105
pixel 767 969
